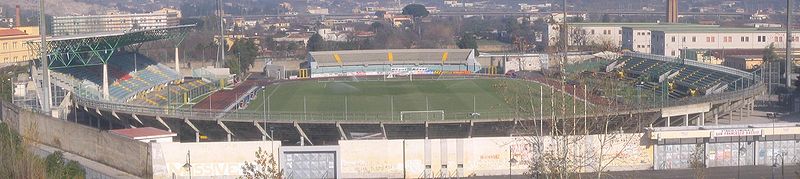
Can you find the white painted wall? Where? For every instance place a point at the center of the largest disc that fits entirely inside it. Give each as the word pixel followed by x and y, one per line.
pixel 209 159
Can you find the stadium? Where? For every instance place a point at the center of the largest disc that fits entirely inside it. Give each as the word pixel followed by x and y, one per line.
pixel 384 94
pixel 404 94
pixel 391 94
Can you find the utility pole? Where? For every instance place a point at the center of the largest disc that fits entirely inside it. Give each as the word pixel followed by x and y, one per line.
pixel 221 48
pixel 789 39
pixel 43 56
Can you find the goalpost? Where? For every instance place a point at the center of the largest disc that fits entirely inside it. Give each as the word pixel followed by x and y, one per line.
pixel 422 115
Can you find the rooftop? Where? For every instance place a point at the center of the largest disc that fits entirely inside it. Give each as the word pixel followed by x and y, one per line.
pixel 11 32
pixel 361 57
pixel 143 133
pixel 719 30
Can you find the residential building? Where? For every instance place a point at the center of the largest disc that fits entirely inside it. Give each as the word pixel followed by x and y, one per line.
pixel 297 37
pixel 588 33
pixel 636 37
pixel 671 41
pixel 318 10
pixel 332 35
pixel 73 25
pixel 13 47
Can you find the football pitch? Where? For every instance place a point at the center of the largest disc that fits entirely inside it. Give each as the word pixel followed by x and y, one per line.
pixel 457 98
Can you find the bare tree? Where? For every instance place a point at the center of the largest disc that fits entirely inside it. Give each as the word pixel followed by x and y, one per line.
pixel 697 161
pixel 564 142
pixel 265 166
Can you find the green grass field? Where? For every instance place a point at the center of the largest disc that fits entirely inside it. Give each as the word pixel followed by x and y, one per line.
pixel 493 98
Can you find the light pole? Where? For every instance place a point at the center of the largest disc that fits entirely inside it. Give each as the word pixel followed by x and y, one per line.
pixel 188 164
pixel 775 164
pixel 511 161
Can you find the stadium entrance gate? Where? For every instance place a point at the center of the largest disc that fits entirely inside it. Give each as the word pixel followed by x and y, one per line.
pixel 310 161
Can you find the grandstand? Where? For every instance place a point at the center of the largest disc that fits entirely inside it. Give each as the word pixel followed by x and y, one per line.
pixel 127 77
pixel 179 92
pixel 679 78
pixel 394 61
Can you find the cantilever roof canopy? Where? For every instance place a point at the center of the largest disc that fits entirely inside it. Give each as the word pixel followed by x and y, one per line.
pixel 97 48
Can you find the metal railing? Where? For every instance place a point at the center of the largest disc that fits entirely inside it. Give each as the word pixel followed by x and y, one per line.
pixel 746 91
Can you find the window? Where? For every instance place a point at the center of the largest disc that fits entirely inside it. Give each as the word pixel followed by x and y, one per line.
pixel 694 39
pixel 620 31
pixel 673 53
pixel 708 39
pixel 762 38
pixel 673 39
pixel 592 31
pixel 684 39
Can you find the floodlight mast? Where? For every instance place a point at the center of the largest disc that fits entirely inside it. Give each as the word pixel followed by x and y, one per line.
pixel 789 40
pixel 43 57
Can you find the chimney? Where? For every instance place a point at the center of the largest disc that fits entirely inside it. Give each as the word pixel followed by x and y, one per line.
pixel 17 18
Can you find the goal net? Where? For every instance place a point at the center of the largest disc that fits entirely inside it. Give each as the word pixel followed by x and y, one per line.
pixel 422 115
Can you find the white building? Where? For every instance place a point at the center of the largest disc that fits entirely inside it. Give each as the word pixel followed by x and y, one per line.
pixel 71 25
pixel 318 10
pixel 636 37
pixel 591 33
pixel 670 42
pixel 145 134
pixel 332 35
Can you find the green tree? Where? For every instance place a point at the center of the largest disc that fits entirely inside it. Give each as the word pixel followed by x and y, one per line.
pixel 769 53
pixel 315 43
pixel 467 41
pixel 264 166
pixel 241 56
pixel 416 10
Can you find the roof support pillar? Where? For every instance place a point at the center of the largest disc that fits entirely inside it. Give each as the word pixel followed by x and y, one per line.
pixel 471 124
pixel 383 130
pixel 196 132
pixel 137 119
pixel 342 135
pixel 163 123
pixel 105 81
pixel 264 134
pixel 302 133
pixel 222 125
pixel 426 129
pixel 177 60
pixel 669 121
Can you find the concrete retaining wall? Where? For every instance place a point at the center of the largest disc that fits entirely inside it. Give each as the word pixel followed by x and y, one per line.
pixel 115 151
